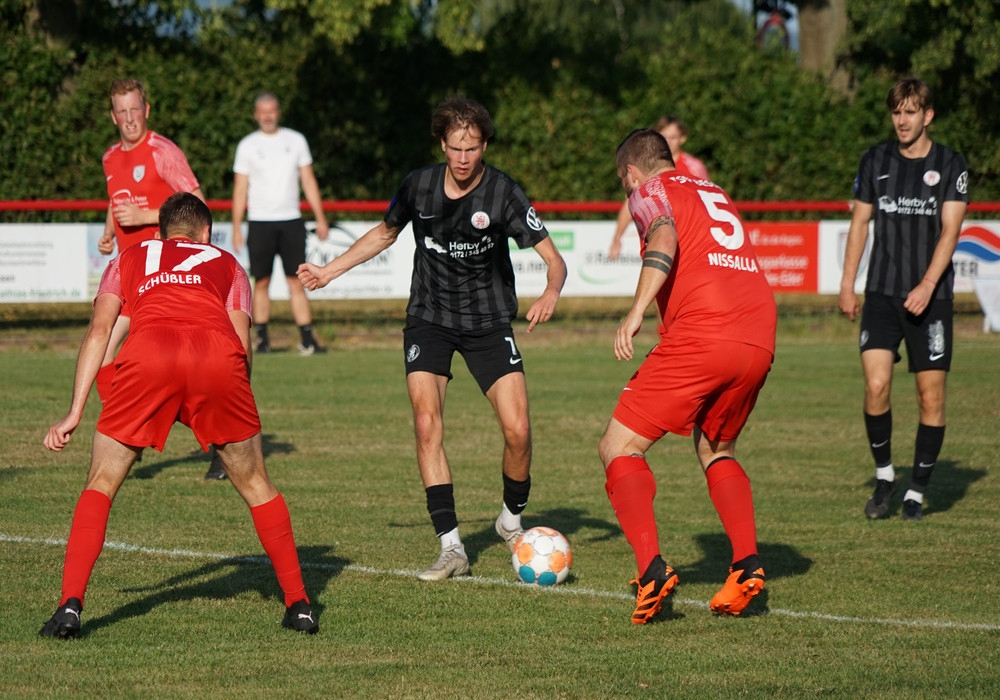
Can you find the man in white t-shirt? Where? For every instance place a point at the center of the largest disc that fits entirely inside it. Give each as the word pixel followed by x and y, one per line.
pixel 270 166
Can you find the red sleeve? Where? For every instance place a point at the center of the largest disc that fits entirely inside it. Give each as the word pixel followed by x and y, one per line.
pixel 648 203
pixel 240 292
pixel 111 280
pixel 172 165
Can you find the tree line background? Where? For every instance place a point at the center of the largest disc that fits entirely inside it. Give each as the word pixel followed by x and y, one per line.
pixel 565 80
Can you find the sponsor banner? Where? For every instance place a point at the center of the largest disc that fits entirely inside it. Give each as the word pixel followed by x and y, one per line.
pixel 832 243
pixel 43 262
pixel 977 265
pixel 60 262
pixel 788 254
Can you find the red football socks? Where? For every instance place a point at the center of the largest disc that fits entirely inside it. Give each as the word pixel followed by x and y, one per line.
pixel 274 528
pixel 631 487
pixel 729 489
pixel 86 540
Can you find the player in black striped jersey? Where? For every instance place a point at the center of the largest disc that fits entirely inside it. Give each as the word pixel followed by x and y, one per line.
pixel 917 192
pixel 462 300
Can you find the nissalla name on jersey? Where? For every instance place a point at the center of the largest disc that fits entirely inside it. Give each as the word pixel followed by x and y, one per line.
pixel 908 205
pixel 734 262
pixel 695 180
pixel 168 278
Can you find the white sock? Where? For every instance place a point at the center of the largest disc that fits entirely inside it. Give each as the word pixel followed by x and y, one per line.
pixel 509 520
pixel 886 473
pixel 451 539
pixel 912 495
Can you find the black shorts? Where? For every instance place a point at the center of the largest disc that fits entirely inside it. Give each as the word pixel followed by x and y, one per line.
pixel 885 324
pixel 269 238
pixel 489 354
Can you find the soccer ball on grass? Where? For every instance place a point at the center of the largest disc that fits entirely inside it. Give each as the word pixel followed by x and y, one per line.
pixel 542 556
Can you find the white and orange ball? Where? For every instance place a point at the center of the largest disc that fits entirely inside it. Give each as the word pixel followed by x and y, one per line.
pixel 542 556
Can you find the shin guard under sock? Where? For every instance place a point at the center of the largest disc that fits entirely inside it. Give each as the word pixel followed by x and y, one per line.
pixel 441 507
pixel 729 489
pixel 274 528
pixel 86 540
pixel 631 488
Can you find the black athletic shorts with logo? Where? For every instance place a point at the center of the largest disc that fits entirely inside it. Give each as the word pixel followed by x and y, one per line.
pixel 489 354
pixel 885 324
pixel 269 238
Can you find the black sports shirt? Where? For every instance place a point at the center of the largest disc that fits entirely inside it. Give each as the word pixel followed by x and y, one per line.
pixel 907 195
pixel 462 275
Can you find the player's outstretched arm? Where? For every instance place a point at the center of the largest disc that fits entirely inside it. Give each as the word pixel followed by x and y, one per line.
pixel 88 362
pixel 545 305
pixel 362 250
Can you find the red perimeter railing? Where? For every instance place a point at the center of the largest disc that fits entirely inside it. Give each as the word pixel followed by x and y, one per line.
pixel 379 206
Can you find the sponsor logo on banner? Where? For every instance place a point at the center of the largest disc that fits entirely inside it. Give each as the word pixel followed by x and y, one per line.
pixel 788 254
pixel 977 268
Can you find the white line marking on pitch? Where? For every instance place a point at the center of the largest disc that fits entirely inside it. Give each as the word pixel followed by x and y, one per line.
pixel 560 590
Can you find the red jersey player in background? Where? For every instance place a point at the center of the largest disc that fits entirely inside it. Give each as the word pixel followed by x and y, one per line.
pixel 676 134
pixel 716 347
pixel 188 359
pixel 141 170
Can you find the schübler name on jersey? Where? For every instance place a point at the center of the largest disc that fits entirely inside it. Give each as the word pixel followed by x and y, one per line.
pixel 735 262
pixel 168 278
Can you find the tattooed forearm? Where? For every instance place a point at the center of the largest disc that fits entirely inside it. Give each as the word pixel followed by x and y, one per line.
pixel 659 261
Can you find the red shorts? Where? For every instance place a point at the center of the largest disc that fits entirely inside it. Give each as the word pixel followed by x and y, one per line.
pixel 192 375
pixel 687 382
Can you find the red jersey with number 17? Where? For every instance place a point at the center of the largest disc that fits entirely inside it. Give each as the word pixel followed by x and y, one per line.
pixel 145 176
pixel 716 289
pixel 179 282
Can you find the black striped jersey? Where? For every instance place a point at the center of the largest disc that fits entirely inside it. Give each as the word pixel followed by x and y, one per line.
pixel 463 278
pixel 907 195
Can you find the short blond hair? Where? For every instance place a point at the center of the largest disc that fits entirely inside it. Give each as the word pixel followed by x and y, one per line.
pixel 124 87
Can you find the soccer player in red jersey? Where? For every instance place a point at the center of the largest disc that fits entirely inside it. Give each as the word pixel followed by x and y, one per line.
pixel 141 170
pixel 187 358
pixel 718 318
pixel 676 133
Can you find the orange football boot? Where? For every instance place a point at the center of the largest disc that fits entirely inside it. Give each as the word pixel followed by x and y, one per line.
pixel 739 589
pixel 661 582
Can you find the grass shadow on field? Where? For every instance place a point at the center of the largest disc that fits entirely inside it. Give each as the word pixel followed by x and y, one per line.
pixel 226 578
pixel 780 560
pixel 149 468
pixel 949 484
pixel 569 521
